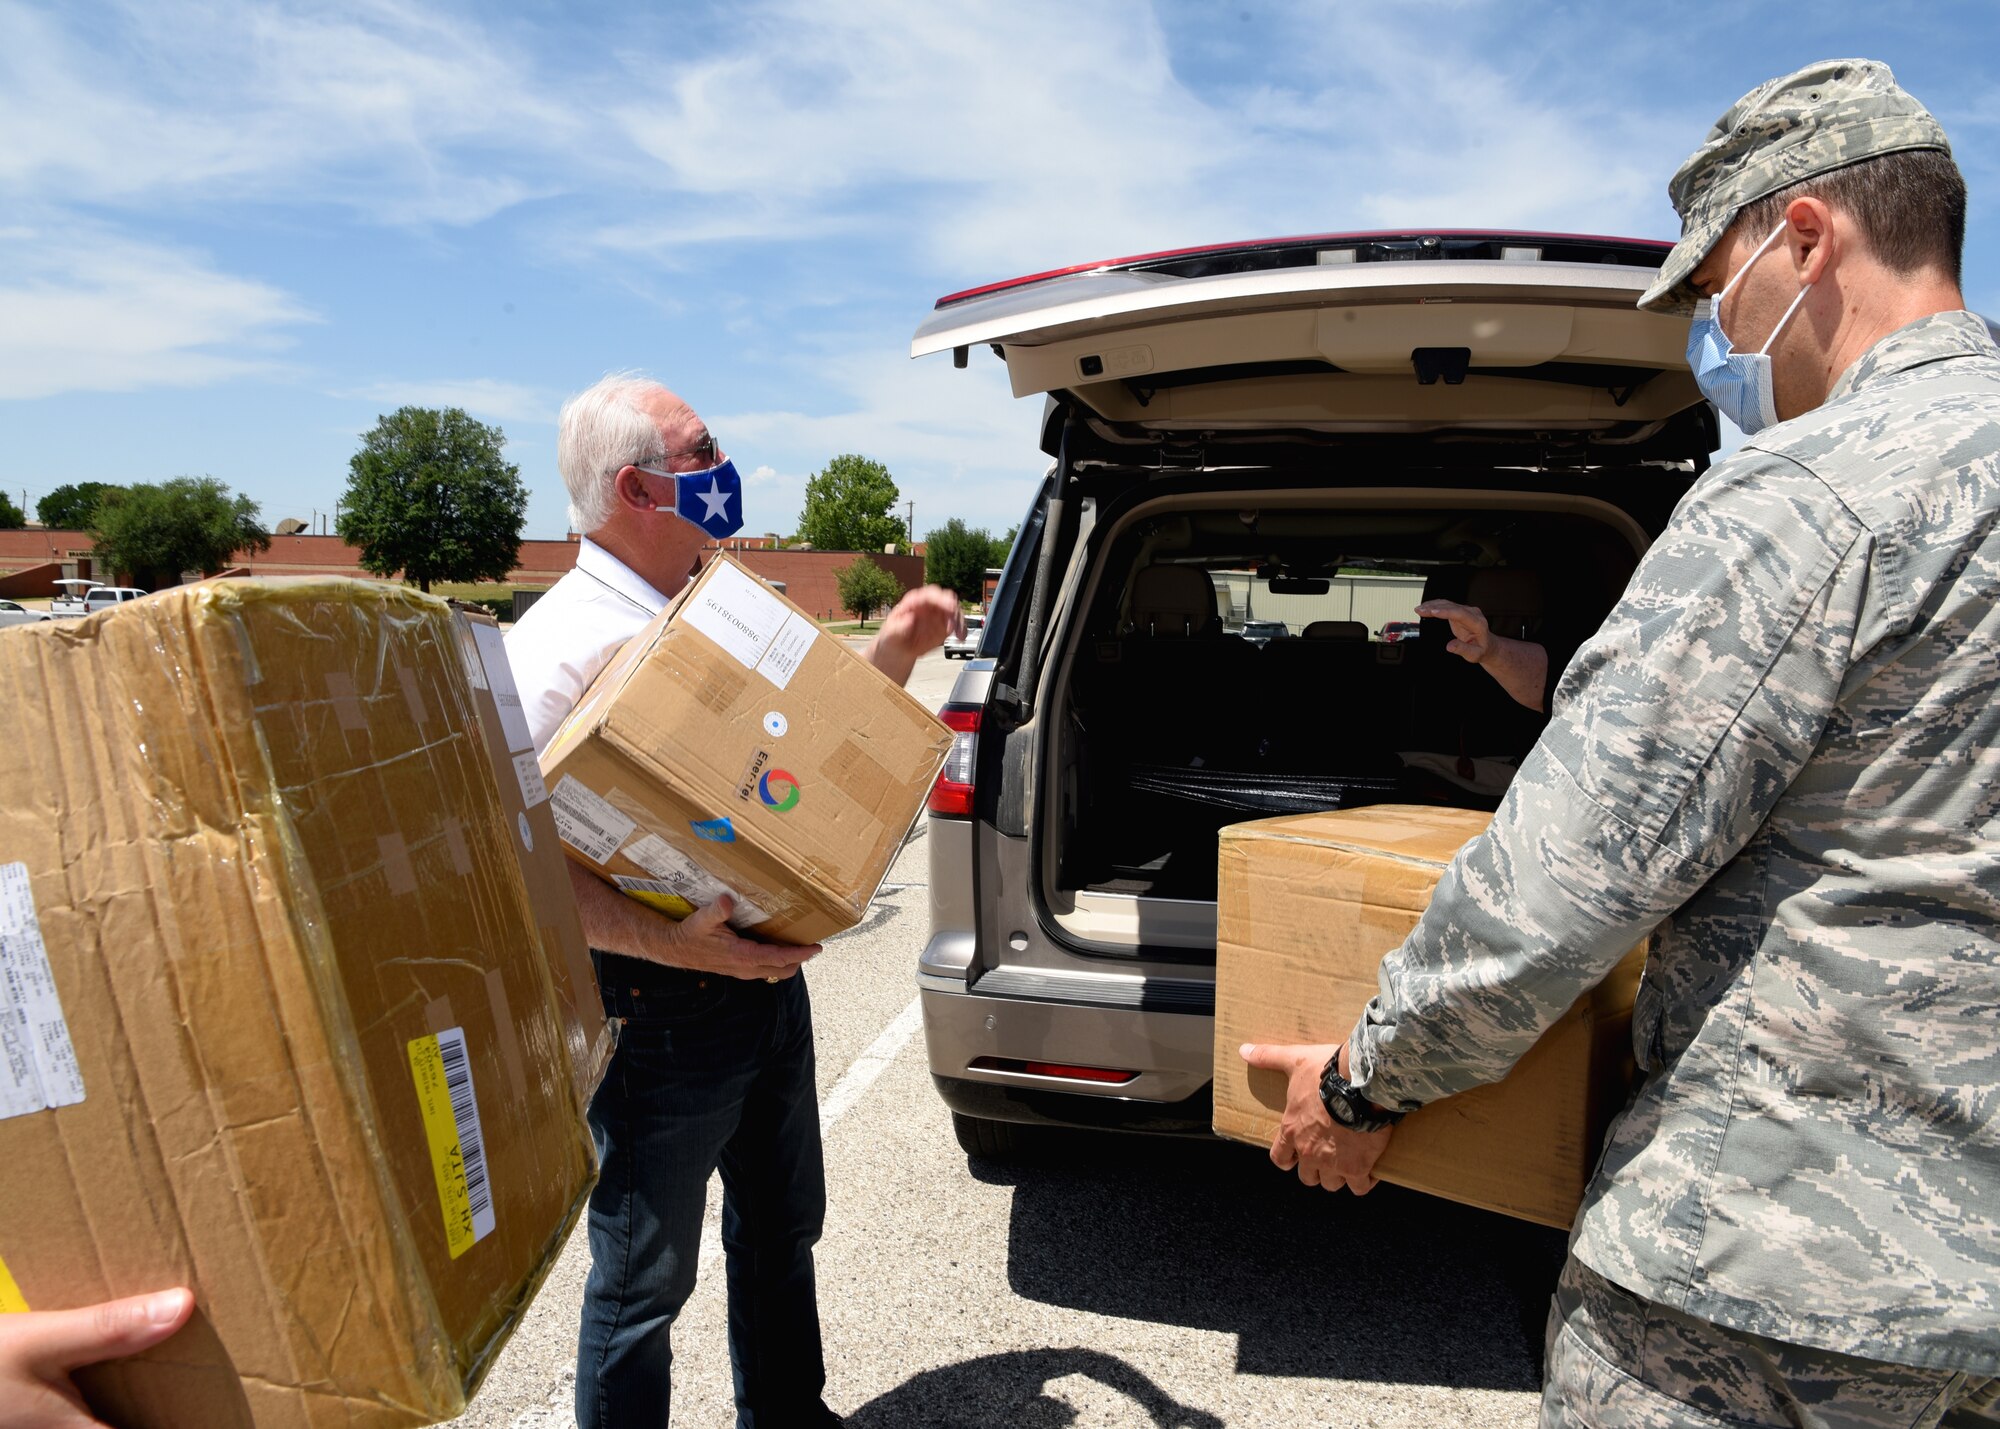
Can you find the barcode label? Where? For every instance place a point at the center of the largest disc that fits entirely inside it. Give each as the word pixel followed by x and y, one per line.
pixel 38 1066
pixel 587 822
pixel 443 1075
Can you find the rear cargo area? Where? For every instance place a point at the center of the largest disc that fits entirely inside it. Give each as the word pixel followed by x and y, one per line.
pixel 1184 710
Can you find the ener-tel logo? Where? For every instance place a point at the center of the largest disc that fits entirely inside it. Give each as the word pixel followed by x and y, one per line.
pixel 779 789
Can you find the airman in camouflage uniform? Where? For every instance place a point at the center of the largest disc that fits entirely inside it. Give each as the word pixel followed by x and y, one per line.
pixel 1783 749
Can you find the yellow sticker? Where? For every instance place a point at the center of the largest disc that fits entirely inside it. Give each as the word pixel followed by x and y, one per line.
pixel 12 1301
pixel 451 1124
pixel 671 904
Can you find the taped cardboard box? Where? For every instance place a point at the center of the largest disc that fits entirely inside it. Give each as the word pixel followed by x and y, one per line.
pixel 524 802
pixel 1308 905
pixel 282 1027
pixel 733 746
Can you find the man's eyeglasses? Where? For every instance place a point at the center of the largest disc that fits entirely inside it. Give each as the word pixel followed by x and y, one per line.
pixel 702 451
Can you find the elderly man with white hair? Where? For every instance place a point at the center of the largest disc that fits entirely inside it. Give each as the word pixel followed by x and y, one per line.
pixel 715 1064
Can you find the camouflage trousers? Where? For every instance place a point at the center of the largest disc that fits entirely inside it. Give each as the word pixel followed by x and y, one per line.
pixel 1617 1361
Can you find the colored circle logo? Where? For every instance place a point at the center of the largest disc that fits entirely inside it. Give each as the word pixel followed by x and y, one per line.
pixel 779 789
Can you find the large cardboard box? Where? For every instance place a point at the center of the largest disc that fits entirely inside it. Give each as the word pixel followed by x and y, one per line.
pixel 1308 906
pixel 524 803
pixel 733 746
pixel 278 1018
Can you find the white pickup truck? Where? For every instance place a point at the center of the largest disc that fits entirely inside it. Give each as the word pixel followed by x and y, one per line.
pixel 81 597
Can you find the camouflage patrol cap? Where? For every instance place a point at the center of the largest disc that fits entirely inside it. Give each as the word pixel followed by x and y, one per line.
pixel 1823 117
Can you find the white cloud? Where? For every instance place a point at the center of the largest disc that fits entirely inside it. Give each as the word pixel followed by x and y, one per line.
pixel 404 114
pixel 480 396
pixel 85 309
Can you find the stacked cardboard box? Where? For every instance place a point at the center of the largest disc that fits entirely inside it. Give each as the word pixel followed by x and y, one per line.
pixel 1308 906
pixel 734 747
pixel 279 1023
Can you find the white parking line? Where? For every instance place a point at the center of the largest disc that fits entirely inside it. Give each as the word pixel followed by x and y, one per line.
pixel 872 1063
pixel 853 1084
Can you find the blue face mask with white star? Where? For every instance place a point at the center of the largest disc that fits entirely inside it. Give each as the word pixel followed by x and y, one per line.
pixel 711 498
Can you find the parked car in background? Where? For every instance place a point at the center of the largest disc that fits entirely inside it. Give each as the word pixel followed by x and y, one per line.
pixel 12 612
pixel 81 597
pixel 964 647
pixel 1485 417
pixel 1260 632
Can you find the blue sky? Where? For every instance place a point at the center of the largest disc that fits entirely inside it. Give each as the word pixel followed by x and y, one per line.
pixel 231 235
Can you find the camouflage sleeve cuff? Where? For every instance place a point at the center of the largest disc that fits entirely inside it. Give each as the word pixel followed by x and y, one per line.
pixel 1528 918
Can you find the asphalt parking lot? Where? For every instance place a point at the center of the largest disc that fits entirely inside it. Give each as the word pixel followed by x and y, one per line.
pixel 1108 1281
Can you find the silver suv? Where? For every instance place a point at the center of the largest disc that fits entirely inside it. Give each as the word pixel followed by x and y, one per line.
pixel 1316 433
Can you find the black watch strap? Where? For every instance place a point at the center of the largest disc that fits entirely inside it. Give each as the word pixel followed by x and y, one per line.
pixel 1346 1105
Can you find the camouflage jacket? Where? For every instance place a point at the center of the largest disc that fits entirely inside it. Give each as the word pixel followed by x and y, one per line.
pixel 1784 742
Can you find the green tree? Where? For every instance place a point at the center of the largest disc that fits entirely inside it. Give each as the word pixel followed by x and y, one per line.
pixel 956 556
pixel 866 588
pixel 430 495
pixel 1004 547
pixel 847 507
pixel 191 523
pixel 12 517
pixel 69 506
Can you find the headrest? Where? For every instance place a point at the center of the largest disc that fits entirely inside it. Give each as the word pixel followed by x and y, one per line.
pixel 1335 630
pixel 1510 598
pixel 1172 600
pixel 1446 584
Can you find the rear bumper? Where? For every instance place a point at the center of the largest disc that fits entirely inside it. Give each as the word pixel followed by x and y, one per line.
pixel 1169 1052
pixel 989 1102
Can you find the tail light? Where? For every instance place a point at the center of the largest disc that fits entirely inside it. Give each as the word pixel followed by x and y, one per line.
pixel 1069 1072
pixel 952 794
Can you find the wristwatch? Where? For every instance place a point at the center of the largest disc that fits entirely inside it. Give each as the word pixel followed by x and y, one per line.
pixel 1347 1106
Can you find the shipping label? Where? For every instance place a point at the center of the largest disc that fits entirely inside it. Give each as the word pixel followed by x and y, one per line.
pixel 788 649
pixel 528 770
pixel 586 820
pixel 674 873
pixel 443 1074
pixel 749 620
pixel 38 1066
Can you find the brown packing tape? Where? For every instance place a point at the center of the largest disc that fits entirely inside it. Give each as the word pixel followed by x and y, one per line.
pixel 397 870
pixel 461 856
pixel 346 704
pixel 510 1039
pixel 437 1015
pixel 412 695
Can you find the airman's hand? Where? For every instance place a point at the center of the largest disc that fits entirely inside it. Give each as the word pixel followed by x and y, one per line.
pixel 1324 1152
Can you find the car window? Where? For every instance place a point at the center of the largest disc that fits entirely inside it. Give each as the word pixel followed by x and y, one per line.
pixel 9 605
pixel 1368 597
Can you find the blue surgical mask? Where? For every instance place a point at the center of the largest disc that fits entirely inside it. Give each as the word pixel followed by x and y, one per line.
pixel 711 498
pixel 1739 383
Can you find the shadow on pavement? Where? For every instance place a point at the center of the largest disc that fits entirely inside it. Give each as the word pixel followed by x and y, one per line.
pixel 1393 1286
pixel 1007 1391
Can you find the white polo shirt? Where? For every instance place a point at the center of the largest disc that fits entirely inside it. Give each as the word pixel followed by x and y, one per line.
pixel 571 633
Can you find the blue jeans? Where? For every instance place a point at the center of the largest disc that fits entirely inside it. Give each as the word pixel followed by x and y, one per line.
pixel 711 1072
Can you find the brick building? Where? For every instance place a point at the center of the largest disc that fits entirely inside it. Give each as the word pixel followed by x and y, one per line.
pixel 31 561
